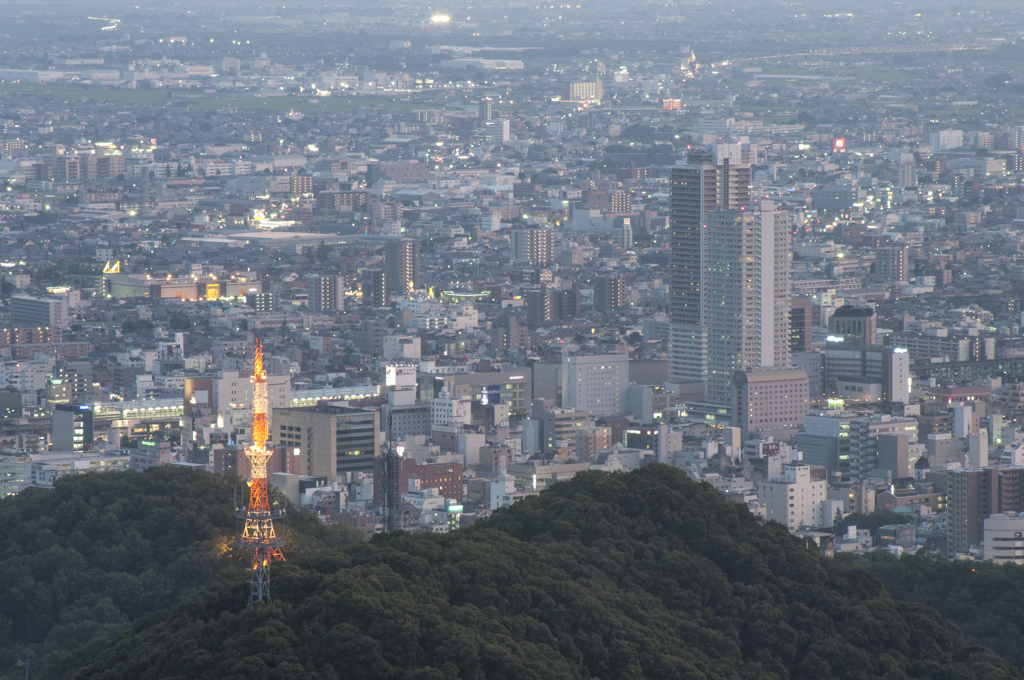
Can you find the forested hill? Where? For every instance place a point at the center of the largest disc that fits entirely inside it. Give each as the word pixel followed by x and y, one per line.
pixel 643 575
pixel 97 552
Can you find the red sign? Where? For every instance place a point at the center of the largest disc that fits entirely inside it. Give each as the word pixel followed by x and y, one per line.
pixel 839 145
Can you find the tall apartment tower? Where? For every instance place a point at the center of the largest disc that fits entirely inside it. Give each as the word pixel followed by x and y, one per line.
pixel 375 287
pixel 717 179
pixel 402 258
pixel 907 171
pixel 324 294
pixel 534 246
pixel 746 294
pixel 486 108
pixel 892 264
pixel 609 293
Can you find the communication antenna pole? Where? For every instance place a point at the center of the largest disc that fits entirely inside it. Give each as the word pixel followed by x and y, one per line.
pixel 258 536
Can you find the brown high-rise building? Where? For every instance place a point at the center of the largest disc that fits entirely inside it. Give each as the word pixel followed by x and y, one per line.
pixel 892 264
pixel 718 179
pixel 375 288
pixel 974 494
pixel 609 293
pixel 402 258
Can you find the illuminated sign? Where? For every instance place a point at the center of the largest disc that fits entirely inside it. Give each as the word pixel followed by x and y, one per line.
pixel 114 268
pixel 839 145
pixel 517 377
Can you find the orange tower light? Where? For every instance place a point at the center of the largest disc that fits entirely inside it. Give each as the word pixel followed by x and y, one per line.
pixel 258 536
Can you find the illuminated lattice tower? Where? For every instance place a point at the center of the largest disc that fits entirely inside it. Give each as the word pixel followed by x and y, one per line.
pixel 258 536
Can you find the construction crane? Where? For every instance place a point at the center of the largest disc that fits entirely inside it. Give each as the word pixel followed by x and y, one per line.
pixel 258 536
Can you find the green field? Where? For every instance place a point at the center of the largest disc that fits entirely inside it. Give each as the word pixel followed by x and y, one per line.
pixel 881 74
pixel 333 104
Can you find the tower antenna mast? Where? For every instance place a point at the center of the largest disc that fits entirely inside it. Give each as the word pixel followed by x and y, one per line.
pixel 258 536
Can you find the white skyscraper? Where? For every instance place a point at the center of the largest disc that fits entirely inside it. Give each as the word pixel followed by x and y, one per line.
pixel 907 171
pixel 746 294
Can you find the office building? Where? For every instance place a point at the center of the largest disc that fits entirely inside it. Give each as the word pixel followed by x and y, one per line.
pixel 864 434
pixel 496 387
pixel 71 427
pixel 769 401
pixel 595 384
pixel 854 327
pixel 892 264
pixel 375 288
pixel 27 310
pixel 746 294
pixel 402 259
pixel 330 438
pixel 369 336
pixel 873 374
pixel 706 181
pixel 325 294
pixel 534 247
pixel 1004 538
pixel 558 429
pixel 801 314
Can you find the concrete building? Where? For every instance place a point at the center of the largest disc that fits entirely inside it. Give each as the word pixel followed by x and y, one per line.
pixel 771 402
pixel 534 247
pixel 892 264
pixel 825 442
pixel 746 294
pixel 72 427
pixel 718 179
pixel 864 434
pixel 331 439
pixel 375 287
pixel 27 310
pixel 325 294
pixel 595 384
pixel 1004 538
pixel 798 499
pixel 975 494
pixel 496 387
pixel 402 259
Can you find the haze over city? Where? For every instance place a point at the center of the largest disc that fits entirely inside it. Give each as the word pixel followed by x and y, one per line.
pixel 511 340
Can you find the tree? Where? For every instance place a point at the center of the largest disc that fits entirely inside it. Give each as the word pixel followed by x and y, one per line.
pixel 179 322
pixel 323 251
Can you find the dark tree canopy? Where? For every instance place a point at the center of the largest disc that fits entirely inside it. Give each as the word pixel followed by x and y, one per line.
pixel 100 551
pixel 641 575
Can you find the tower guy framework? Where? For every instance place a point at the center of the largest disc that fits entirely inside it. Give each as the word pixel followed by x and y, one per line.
pixel 258 536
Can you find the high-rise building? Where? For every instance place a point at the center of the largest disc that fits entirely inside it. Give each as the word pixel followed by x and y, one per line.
pixel 486 109
pixel 325 294
pixel 622 233
pixel 907 171
pixel 27 310
pixel 534 246
pixel 864 433
pixel 746 294
pixel 622 201
pixel 609 293
pixel 718 179
pixel 72 427
pixel 402 258
pixel 975 494
pixel 801 311
pixel 375 287
pixel 595 384
pixel 892 264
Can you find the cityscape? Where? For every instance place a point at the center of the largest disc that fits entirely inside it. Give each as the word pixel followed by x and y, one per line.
pixel 293 292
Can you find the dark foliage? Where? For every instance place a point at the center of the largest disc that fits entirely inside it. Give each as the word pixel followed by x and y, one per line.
pixel 985 600
pixel 99 551
pixel 643 575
